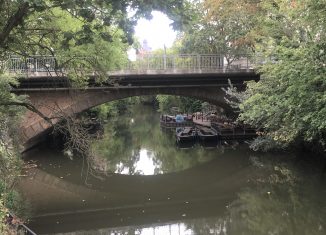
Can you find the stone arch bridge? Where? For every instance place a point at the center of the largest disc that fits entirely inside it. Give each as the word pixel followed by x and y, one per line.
pixel 49 93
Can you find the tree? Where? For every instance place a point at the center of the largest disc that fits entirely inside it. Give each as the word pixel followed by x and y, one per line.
pixel 222 27
pixel 18 23
pixel 72 29
pixel 289 101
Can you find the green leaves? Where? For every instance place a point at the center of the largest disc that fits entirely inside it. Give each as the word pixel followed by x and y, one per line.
pixel 285 102
pixel 221 27
pixel 90 14
pixel 289 101
pixel 87 14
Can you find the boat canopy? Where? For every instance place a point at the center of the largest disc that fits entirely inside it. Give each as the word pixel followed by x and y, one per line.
pixel 179 118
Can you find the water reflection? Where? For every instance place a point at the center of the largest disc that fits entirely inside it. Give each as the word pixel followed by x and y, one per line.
pixel 145 164
pixel 155 188
pixel 181 228
pixel 134 144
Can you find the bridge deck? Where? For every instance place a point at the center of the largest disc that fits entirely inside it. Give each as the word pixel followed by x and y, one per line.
pixel 134 81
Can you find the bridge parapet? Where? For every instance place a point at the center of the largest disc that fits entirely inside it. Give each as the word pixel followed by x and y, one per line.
pixel 187 62
pixel 146 64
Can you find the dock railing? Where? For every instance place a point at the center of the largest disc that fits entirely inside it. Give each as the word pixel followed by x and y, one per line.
pixel 234 132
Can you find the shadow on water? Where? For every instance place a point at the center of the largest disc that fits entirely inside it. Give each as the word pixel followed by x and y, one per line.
pixel 145 185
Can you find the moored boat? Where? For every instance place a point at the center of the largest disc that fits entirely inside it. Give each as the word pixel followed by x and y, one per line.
pixel 185 134
pixel 207 134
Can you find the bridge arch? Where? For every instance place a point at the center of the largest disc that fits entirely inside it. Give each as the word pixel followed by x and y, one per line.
pixel 55 102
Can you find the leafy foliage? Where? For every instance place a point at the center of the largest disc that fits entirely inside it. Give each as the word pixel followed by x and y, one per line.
pixel 183 104
pixel 10 162
pixel 289 101
pixel 9 140
pixel 221 27
pixel 85 36
pixel 24 21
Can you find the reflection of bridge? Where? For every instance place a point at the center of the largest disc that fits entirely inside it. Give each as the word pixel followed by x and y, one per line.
pixel 198 76
pixel 120 200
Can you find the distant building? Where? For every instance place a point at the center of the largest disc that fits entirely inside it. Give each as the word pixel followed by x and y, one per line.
pixel 144 50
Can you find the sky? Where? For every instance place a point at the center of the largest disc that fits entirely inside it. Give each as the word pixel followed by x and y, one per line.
pixel 156 31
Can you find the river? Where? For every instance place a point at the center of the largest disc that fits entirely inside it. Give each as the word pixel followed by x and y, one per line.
pixel 140 182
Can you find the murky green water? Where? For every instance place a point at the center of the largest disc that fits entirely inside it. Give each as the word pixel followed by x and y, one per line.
pixel 139 182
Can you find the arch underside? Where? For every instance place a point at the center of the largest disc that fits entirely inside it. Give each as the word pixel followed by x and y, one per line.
pixel 212 95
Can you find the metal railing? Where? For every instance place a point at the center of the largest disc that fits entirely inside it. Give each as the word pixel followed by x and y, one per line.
pixel 191 62
pixel 147 62
pixel 173 62
pixel 32 64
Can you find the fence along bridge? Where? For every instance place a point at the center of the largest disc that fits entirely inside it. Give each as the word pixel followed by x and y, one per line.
pixel 35 66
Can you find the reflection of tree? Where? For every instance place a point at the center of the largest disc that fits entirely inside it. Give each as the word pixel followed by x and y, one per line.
pixel 260 213
pixel 207 226
pixel 126 135
pixel 278 201
pixel 115 146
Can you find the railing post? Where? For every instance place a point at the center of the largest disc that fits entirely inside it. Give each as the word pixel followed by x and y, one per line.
pixel 199 61
pixel 35 65
pixel 164 61
pixel 147 57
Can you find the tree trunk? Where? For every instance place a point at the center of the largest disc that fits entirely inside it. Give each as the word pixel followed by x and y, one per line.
pixel 15 20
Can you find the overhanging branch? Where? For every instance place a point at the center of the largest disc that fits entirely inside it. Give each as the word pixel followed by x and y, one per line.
pixel 30 107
